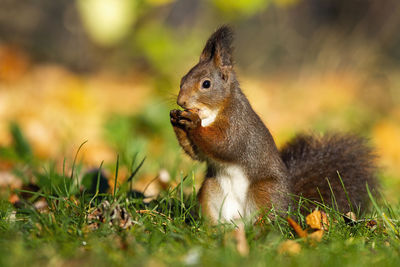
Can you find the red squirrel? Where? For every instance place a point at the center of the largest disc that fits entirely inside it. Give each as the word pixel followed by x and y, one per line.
pixel 246 172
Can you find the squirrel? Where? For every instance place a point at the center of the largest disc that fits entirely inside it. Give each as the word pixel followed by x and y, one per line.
pixel 246 173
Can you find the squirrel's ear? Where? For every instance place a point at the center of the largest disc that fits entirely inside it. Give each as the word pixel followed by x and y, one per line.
pixel 219 48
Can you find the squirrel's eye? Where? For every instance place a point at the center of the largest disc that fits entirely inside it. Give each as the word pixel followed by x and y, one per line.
pixel 206 84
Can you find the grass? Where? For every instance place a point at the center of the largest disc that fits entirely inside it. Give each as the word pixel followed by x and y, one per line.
pixel 175 235
pixel 166 231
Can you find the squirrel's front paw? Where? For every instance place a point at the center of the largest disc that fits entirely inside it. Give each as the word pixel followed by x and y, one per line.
pixel 185 119
pixel 175 116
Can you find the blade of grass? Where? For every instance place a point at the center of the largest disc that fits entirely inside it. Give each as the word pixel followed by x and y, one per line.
pixel 381 213
pixel 64 181
pixel 334 203
pixel 181 196
pixel 136 170
pixel 75 158
pixel 345 192
pixel 97 184
pixel 74 163
pixel 38 194
pixel 116 176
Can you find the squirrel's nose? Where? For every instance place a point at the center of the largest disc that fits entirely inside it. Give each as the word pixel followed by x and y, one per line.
pixel 182 101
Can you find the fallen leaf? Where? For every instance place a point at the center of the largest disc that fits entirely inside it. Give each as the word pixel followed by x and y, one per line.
pixel 316 235
pixel 114 214
pixel 149 185
pixel 372 224
pixel 8 179
pixel 318 220
pixel 164 178
pixel 289 247
pixel 351 216
pixel 13 198
pixel 297 228
pixel 41 205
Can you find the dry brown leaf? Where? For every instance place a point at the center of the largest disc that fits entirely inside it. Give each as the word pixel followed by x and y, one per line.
pixel 318 220
pixel 164 178
pixel 316 235
pixel 13 198
pixel 41 205
pixel 351 216
pixel 241 243
pixel 289 247
pixel 149 185
pixel 371 224
pixel 9 180
pixel 297 228
pixel 114 213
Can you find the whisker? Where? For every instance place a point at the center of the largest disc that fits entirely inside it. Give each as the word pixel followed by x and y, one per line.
pixel 170 101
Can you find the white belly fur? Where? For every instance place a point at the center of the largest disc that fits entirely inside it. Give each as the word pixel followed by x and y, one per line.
pixel 231 203
pixel 207 116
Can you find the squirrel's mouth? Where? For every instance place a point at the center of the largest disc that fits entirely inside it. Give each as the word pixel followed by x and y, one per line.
pixel 193 110
pixel 190 109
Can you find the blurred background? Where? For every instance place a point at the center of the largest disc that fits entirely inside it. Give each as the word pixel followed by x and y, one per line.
pixel 108 71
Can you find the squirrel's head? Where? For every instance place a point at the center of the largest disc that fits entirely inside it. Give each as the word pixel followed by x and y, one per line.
pixel 207 85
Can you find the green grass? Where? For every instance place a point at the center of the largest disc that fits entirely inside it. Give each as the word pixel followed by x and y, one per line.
pixel 171 231
pixel 175 234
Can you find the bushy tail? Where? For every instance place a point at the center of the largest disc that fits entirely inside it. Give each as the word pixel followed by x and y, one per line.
pixel 317 165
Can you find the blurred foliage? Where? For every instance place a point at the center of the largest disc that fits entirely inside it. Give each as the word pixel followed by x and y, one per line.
pixel 108 72
pixel 241 7
pixel 163 37
pixel 21 145
pixel 147 134
pixel 107 21
pixel 163 48
pixel 248 7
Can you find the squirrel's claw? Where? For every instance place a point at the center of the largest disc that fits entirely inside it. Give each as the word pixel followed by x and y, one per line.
pixel 191 116
pixel 175 116
pixel 175 113
pixel 185 119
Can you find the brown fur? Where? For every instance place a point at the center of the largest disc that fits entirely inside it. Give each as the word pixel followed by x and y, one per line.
pixel 239 137
pixel 185 142
pixel 261 192
pixel 315 162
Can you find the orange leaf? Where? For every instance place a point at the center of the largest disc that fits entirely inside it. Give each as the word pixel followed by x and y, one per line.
pixel 316 235
pixel 297 228
pixel 318 220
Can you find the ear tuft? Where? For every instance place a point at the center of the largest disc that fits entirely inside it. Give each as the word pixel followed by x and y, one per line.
pixel 219 47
